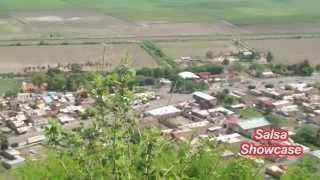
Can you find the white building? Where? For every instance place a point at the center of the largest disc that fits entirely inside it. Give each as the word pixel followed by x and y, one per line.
pixel 188 75
pixel 246 127
pixel 65 118
pixel 268 74
pixel 204 99
pixel 166 111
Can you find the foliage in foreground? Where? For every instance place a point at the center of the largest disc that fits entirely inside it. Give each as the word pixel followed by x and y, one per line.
pixel 305 168
pixel 114 148
pixel 308 135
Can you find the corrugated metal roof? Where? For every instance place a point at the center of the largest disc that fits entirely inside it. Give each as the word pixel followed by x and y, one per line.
pixel 203 96
pixel 188 75
pixel 253 123
pixel 164 111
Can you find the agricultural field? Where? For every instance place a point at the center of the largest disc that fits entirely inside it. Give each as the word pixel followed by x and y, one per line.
pixel 250 113
pixel 15 58
pixel 123 18
pixel 176 10
pixel 289 51
pixel 197 48
pixel 80 19
pixel 9 84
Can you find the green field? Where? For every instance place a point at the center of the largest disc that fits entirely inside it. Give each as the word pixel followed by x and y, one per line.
pixel 9 84
pixel 237 11
pixel 250 113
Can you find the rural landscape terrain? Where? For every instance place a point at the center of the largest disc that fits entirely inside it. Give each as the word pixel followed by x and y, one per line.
pixel 159 89
pixel 290 23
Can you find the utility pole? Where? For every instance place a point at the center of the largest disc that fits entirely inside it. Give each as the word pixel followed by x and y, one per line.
pixel 103 56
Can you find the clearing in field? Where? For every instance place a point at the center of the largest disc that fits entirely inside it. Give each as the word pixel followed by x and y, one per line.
pixel 239 11
pixel 197 49
pixel 9 85
pixel 14 59
pixel 123 18
pixel 288 51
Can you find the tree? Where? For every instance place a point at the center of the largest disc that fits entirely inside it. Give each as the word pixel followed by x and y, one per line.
pixel 237 66
pixel 302 69
pixel 187 86
pixel 270 86
pixel 76 68
pixel 275 120
pixel 4 143
pixel 10 93
pixel 307 134
pixel 225 62
pixel 39 78
pixel 279 69
pixel 224 97
pixel 209 54
pixel 212 68
pixel 57 82
pixel 145 81
pixel 269 57
pixel 318 67
pixel 250 87
pixel 305 168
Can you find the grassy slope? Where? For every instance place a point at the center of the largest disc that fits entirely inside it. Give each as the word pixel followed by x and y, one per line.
pixel 8 84
pixel 250 113
pixel 240 11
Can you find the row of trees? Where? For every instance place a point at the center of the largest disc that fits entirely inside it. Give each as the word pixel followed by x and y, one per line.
pixel 161 58
pixel 150 76
pixel 58 80
pixel 300 69
pixel 188 86
pixel 211 68
pixel 224 97
pixel 99 65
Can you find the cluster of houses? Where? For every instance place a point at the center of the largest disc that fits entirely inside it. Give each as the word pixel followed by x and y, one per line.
pixel 205 117
pixel 29 110
pixel 24 117
pixel 291 100
pixel 201 117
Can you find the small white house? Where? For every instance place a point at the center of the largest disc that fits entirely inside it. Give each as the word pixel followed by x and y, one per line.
pixel 166 111
pixel 188 75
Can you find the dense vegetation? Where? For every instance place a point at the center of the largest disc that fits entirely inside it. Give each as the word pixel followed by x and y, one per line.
pixel 308 135
pixel 9 86
pixel 188 86
pixel 307 168
pixel 211 68
pixel 224 97
pixel 58 80
pixel 300 69
pixel 168 73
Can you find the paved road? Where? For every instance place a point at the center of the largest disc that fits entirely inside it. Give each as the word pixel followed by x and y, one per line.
pixel 33 132
pixel 65 41
pixel 167 98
